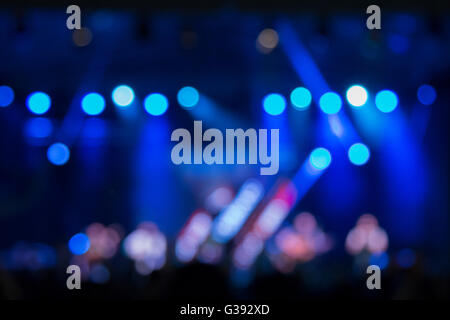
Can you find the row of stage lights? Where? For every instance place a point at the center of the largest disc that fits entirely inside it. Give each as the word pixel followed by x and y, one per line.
pixel 274 104
pixel 157 104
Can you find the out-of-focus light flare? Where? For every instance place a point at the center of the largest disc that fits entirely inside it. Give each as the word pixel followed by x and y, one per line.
pixel 188 97
pixel 38 128
pixel 58 154
pixel 246 252
pixel 145 242
pixel 357 96
pixel 219 199
pixel 104 241
pixel 99 274
pixel 301 98
pixel 330 103
pixel 122 96
pixel 267 40
pixel 232 218
pixel 192 236
pixel 38 102
pixel 274 104
pixel 93 104
pixel 426 94
pixel 386 101
pixel 320 158
pixel 79 244
pixel 156 104
pixel 270 219
pixel 305 240
pixel 210 253
pixel 367 235
pixel 358 154
pixel 28 256
pixel 6 96
pixel 380 259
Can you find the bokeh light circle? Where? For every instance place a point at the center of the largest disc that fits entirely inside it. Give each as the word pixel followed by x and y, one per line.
pixel 274 104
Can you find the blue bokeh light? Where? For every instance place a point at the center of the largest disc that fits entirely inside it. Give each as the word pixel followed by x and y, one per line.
pixel 357 96
pixel 330 103
pixel 274 104
pixel 379 259
pixel 122 96
pixel 58 154
pixel 301 98
pixel 398 43
pixel 188 97
pixel 156 104
pixel 38 128
pixel 6 96
pixel 359 154
pixel 386 101
pixel 38 102
pixel 93 104
pixel 79 244
pixel 426 94
pixel 320 158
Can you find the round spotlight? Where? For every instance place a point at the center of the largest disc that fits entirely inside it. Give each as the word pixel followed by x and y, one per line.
pixel 301 98
pixel 79 244
pixel 358 154
pixel 426 94
pixel 386 101
pixel 122 96
pixel 188 97
pixel 156 104
pixel 38 128
pixel 6 96
pixel 357 96
pixel 93 104
pixel 38 102
pixel 58 154
pixel 267 40
pixel 320 158
pixel 274 104
pixel 330 103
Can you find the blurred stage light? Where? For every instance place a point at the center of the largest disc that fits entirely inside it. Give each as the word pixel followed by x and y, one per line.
pixel 358 154
pixel 122 96
pixel 6 96
pixel 274 104
pixel 38 128
pixel 426 94
pixel 38 102
pixel 330 103
pixel 188 97
pixel 192 236
pixel 320 158
pixel 156 104
pixel 398 43
pixel 267 40
pixel 233 217
pixel 79 244
pixel 93 104
pixel 386 101
pixel 301 98
pixel 367 234
pixel 357 95
pixel 99 274
pixel 379 259
pixel 58 154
